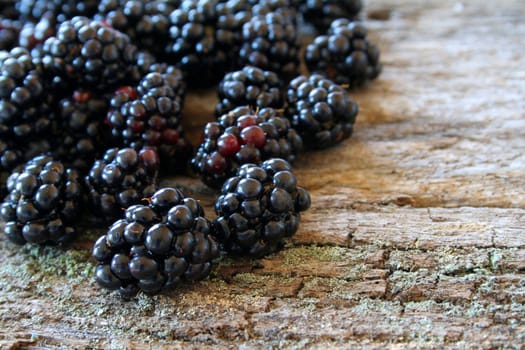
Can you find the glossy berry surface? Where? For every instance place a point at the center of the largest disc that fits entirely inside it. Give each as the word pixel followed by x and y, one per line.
pixel 259 207
pixel 44 200
pixel 156 247
pixel 344 55
pixel 270 42
pixel 90 54
pixel 320 110
pixel 250 86
pixel 124 177
pixel 244 136
pixel 149 114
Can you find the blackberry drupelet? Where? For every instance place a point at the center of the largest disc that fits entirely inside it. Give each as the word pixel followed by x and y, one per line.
pixel 121 179
pixel 344 55
pixel 270 42
pixel 89 54
pixel 320 110
pixel 156 247
pixel 322 12
pixel 24 103
pixel 44 200
pixel 150 115
pixel 259 207
pixel 60 9
pixel 204 38
pixel 81 134
pixel 250 86
pixel 243 136
pixel 146 23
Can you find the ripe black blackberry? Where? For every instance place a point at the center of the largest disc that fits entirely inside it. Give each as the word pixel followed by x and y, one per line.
pixel 81 134
pixel 320 110
pixel 322 12
pixel 283 7
pixel 270 42
pixel 156 246
pixel 250 86
pixel 44 200
pixel 24 102
pixel 9 32
pixel 244 136
pixel 60 9
pixel 259 207
pixel 344 55
pixel 204 37
pixel 146 23
pixel 89 54
pixel 121 179
pixel 150 115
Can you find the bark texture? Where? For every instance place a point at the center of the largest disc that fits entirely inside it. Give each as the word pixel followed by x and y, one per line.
pixel 416 236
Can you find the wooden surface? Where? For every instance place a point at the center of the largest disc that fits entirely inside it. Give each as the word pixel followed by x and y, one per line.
pixel 416 236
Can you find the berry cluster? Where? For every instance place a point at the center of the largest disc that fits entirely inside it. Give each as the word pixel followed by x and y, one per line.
pixel 156 246
pixel 259 207
pixel 92 105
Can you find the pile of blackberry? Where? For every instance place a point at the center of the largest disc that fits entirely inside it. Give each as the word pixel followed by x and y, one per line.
pixel 259 207
pixel 156 246
pixel 92 95
pixel 320 110
pixel 240 137
pixel 344 55
pixel 250 86
pixel 322 12
pixel 124 177
pixel 149 115
pixel 43 202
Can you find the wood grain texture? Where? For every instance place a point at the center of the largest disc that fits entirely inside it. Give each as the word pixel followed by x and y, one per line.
pixel 416 235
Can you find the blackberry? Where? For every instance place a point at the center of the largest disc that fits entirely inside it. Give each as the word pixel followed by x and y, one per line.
pixel 9 32
pixel 24 103
pixel 344 55
pixel 156 246
pixel 243 136
pixel 150 115
pixel 322 12
pixel 270 42
pixel 121 179
pixel 204 38
pixel 43 202
pixel 283 7
pixel 250 86
pixel 81 132
pixel 60 9
pixel 89 54
pixel 320 110
pixel 259 207
pixel 146 23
